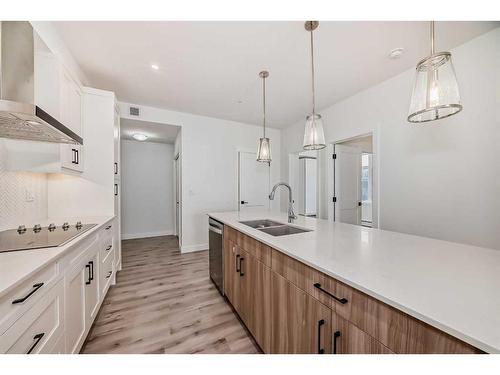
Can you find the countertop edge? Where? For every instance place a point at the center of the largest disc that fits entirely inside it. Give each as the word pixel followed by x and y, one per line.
pixel 415 314
pixel 67 246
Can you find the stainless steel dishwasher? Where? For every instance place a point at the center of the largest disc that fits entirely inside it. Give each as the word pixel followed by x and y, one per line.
pixel 216 253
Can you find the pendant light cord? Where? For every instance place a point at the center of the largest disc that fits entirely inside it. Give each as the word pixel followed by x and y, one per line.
pixel 433 50
pixel 264 103
pixel 312 71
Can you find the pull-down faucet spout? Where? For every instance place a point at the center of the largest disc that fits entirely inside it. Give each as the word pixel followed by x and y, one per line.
pixel 291 214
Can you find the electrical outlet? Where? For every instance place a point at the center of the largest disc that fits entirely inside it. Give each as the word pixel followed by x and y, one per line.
pixel 30 195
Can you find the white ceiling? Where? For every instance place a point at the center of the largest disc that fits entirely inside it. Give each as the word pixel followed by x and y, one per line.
pixel 211 68
pixel 156 132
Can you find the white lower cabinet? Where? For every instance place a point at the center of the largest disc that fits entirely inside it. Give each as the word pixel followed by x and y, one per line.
pixel 61 313
pixel 75 307
pixel 40 328
pixel 92 289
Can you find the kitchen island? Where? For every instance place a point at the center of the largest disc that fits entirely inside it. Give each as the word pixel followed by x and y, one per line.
pixel 405 294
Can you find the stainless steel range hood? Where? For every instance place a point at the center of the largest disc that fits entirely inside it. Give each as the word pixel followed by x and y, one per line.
pixel 20 117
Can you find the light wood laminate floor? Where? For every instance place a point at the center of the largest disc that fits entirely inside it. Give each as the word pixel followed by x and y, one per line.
pixel 165 302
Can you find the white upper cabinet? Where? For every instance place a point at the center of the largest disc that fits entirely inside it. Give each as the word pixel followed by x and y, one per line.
pixel 56 91
pixel 71 103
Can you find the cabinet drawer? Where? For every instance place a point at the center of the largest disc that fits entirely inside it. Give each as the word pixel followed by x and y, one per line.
pixel 107 271
pixel 304 277
pixel 393 328
pixel 40 328
pixel 107 245
pixel 255 248
pixel 21 298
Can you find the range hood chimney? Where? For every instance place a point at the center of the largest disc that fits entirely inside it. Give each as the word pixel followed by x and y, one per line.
pixel 20 117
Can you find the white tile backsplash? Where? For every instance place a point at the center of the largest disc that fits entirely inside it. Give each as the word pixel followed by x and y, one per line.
pixel 23 196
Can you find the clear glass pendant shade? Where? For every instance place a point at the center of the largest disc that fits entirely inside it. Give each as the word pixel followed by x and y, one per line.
pixel 314 136
pixel 435 92
pixel 264 150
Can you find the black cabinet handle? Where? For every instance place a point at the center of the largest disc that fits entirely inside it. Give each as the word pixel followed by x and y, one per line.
pixel 89 279
pixel 321 322
pixel 116 168
pixel 336 335
pixel 21 300
pixel 341 300
pixel 92 270
pixel 38 337
pixel 116 189
pixel 73 156
pixel 77 156
pixel 237 263
pixel 109 247
pixel 108 227
pixel 241 267
pixel 109 274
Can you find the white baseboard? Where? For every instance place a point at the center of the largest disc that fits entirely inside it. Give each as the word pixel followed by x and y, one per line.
pixel 192 248
pixel 145 235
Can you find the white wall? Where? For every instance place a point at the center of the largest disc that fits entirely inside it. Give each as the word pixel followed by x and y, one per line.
pixel 209 149
pixel 147 189
pixel 439 180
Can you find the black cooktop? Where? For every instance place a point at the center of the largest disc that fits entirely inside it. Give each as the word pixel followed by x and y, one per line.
pixel 41 237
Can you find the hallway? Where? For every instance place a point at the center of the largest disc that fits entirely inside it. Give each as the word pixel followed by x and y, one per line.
pixel 164 302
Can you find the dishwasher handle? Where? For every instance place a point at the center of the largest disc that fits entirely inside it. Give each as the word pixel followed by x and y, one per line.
pixel 214 229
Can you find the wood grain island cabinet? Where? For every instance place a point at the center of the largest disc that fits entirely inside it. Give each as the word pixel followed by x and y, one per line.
pixel 290 307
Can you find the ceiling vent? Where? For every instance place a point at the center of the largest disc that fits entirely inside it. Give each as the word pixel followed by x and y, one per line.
pixel 134 111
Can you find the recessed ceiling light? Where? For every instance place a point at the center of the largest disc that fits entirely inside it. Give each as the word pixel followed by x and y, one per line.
pixel 396 53
pixel 140 136
pixel 155 67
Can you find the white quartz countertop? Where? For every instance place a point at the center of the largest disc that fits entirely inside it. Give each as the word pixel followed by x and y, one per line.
pixel 17 266
pixel 451 286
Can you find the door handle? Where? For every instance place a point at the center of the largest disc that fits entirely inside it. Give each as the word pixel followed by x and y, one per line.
pixel 321 322
pixel 237 263
pixel 38 337
pixel 241 267
pixel 341 300
pixel 21 300
pixel 89 279
pixel 336 335
pixel 244 202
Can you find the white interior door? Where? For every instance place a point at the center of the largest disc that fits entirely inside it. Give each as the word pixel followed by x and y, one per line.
pixel 347 184
pixel 253 181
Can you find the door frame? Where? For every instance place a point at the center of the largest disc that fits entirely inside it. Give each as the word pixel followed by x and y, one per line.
pixel 376 181
pixel 178 195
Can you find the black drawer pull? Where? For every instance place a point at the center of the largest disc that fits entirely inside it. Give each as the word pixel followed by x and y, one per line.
pixel 336 335
pixel 109 274
pixel 116 168
pixel 108 227
pixel 89 279
pixel 341 300
pixel 241 266
pixel 237 263
pixel 91 270
pixel 21 300
pixel 109 247
pixel 321 322
pixel 38 337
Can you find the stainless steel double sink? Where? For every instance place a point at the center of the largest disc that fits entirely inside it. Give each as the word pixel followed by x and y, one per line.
pixel 274 228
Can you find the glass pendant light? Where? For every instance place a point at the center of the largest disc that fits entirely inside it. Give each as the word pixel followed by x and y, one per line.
pixel 264 150
pixel 314 137
pixel 435 93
